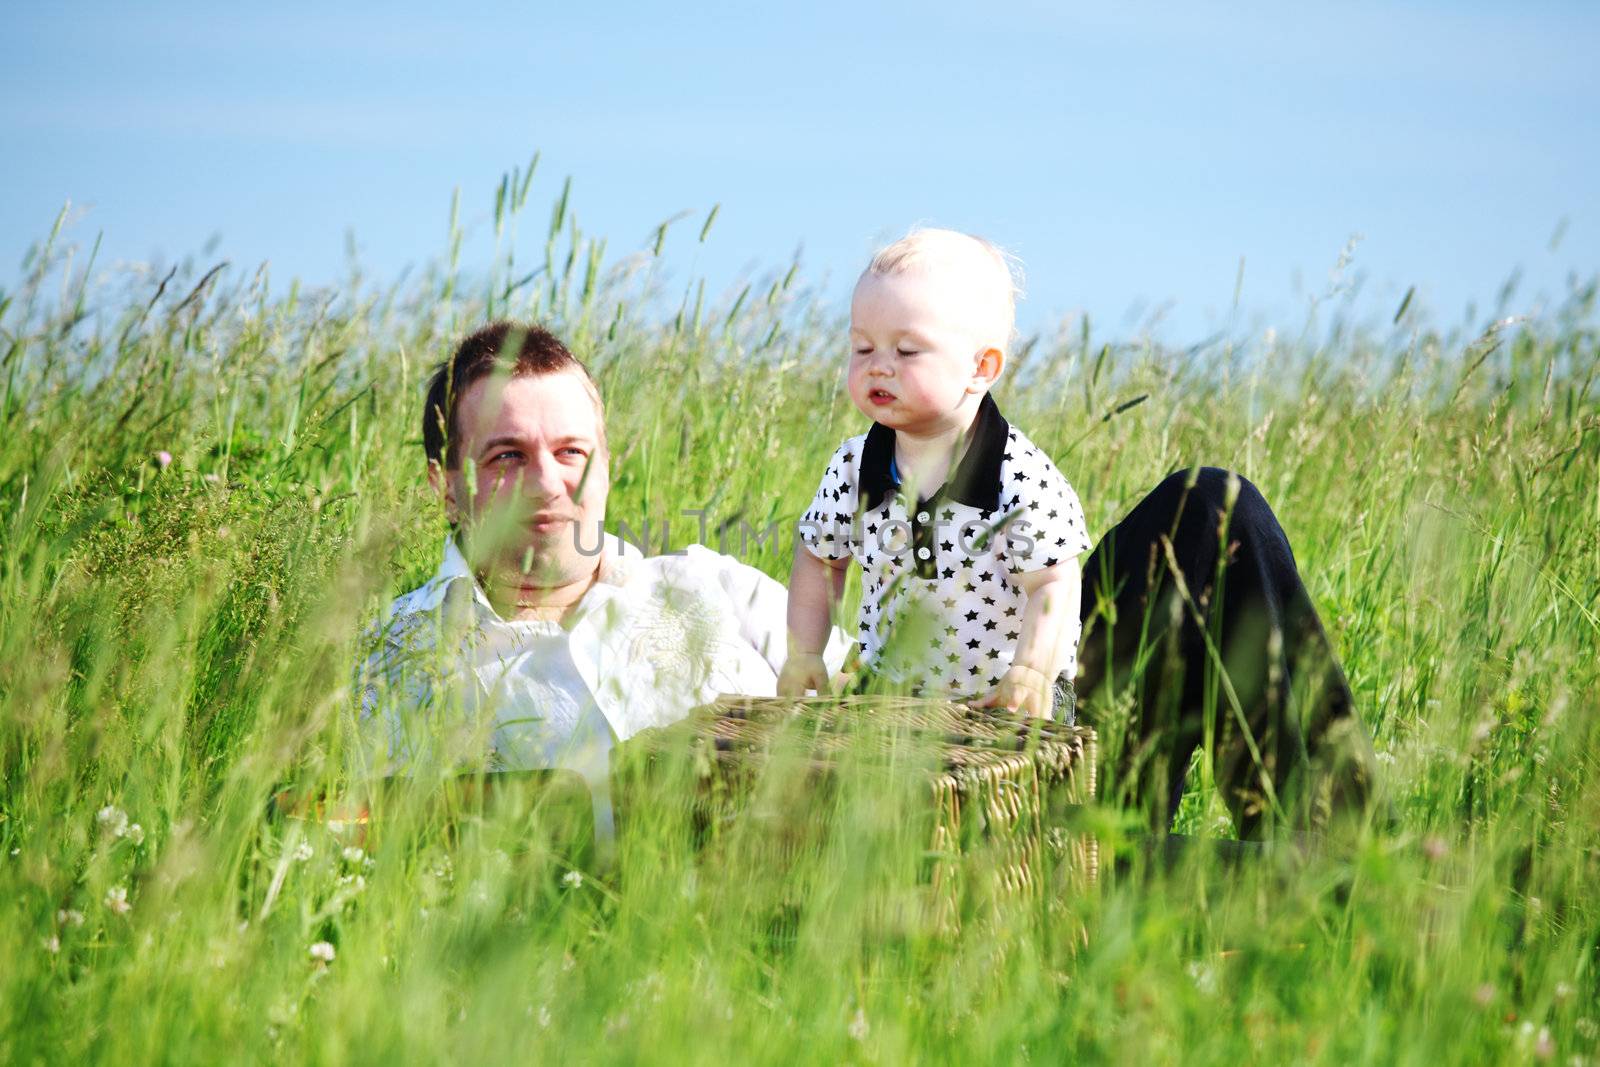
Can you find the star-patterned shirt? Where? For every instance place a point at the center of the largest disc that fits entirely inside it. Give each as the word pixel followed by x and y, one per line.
pixel 940 607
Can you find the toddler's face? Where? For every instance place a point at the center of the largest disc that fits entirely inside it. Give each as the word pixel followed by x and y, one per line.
pixel 914 352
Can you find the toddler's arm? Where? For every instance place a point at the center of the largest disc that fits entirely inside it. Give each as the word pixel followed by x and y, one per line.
pixel 816 585
pixel 1044 642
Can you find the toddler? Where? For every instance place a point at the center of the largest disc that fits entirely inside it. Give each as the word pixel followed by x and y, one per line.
pixel 967 535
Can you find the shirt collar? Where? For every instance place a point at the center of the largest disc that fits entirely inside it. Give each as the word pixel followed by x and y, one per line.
pixel 976 481
pixel 618 561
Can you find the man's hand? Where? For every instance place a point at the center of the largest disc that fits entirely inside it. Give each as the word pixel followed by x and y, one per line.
pixel 1021 689
pixel 803 672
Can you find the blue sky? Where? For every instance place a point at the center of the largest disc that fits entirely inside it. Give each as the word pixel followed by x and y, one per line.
pixel 1129 154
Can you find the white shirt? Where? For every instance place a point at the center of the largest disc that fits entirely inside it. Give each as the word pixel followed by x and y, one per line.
pixel 939 576
pixel 450 680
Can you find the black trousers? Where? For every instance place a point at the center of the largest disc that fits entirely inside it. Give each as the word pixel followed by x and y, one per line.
pixel 1197 631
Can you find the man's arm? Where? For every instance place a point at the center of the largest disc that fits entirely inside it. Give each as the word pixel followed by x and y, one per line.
pixel 762 604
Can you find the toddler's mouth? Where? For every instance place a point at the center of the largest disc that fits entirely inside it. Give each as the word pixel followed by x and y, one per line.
pixel 880 396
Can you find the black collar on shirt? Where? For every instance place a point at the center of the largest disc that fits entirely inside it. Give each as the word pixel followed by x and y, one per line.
pixel 976 481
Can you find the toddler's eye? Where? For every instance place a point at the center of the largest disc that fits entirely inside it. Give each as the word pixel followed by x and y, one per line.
pixel 864 351
pixel 903 352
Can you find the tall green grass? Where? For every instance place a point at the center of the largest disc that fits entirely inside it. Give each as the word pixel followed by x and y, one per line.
pixel 176 640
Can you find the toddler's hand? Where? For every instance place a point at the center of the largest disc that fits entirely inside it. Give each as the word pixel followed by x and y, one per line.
pixel 803 672
pixel 1021 689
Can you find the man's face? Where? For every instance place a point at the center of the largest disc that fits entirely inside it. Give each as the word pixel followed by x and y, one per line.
pixel 530 491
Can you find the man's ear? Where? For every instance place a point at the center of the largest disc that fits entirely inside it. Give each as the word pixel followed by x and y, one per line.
pixel 991 361
pixel 439 479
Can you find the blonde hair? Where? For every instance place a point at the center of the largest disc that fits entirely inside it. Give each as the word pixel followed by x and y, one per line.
pixel 996 273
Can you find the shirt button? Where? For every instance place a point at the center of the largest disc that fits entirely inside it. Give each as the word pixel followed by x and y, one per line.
pixel 923 553
pixel 922 516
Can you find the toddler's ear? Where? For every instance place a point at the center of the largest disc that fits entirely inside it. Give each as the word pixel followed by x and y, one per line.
pixel 991 361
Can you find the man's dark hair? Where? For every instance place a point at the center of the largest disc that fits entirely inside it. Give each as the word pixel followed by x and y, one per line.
pixel 512 349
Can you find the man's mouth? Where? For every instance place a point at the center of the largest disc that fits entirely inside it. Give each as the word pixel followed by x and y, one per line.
pixel 880 396
pixel 544 522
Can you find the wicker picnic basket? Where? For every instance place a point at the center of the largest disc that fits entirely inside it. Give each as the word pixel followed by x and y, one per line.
pixel 1001 790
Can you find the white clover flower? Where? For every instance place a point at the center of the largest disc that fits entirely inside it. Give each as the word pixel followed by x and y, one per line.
pixel 858 1028
pixel 52 944
pixel 1205 979
pixel 135 833
pixel 117 900
pixel 69 917
pixel 322 952
pixel 572 879
pixel 353 855
pixel 355 882
pixel 303 851
pixel 113 820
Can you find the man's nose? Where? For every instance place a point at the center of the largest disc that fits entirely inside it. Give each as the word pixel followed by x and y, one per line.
pixel 544 479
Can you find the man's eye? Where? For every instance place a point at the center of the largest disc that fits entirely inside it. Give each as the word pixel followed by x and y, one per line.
pixel 574 450
pixel 509 454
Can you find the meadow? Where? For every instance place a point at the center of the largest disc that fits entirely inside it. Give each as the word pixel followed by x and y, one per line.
pixel 212 480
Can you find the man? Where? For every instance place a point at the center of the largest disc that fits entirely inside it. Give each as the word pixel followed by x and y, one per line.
pixel 541 641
